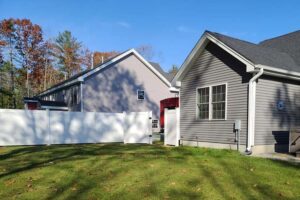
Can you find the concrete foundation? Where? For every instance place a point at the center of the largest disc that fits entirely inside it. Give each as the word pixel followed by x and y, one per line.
pixel 212 145
pixel 273 148
pixel 259 149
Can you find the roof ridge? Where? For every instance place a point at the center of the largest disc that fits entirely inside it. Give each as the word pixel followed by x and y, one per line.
pixel 230 37
pixel 280 36
pixel 257 45
pixel 259 54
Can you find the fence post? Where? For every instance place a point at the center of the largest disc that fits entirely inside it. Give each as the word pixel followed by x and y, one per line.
pixel 178 126
pixel 150 128
pixel 124 127
pixel 48 128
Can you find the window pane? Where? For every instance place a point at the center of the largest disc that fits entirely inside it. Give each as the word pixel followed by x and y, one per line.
pixel 203 95
pixel 219 110
pixel 223 114
pixel 219 93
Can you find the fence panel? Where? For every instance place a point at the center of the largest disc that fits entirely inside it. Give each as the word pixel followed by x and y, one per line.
pixel 137 127
pixel 87 127
pixel 25 127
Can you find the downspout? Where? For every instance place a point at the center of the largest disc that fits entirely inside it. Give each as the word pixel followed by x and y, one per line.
pixel 251 110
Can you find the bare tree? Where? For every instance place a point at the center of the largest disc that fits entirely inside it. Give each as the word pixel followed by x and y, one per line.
pixel 146 51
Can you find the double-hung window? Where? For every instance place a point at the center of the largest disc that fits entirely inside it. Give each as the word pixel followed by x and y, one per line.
pixel 203 103
pixel 211 102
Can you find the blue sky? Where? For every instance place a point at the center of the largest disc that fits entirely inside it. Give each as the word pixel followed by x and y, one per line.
pixel 171 27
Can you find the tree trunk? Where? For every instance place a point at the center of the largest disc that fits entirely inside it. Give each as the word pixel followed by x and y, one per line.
pixel 12 76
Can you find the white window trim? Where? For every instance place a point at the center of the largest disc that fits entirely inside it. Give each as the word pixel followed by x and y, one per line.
pixel 137 95
pixel 197 109
pixel 210 102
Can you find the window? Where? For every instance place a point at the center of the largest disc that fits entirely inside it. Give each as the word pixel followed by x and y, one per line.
pixel 74 96
pixel 211 102
pixel 140 94
pixel 218 101
pixel 203 103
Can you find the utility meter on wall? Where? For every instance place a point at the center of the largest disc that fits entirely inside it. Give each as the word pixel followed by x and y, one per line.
pixel 237 124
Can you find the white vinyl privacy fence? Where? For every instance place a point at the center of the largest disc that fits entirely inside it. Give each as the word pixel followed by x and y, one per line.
pixel 25 127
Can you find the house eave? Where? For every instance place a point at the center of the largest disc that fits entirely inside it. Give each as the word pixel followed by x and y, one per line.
pixel 84 76
pixel 55 108
pixel 250 66
pixel 276 72
pixel 174 90
pixel 199 47
pixel 73 82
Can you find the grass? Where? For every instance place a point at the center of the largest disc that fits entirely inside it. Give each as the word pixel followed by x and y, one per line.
pixel 116 171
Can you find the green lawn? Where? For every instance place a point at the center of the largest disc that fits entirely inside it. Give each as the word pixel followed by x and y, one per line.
pixel 117 171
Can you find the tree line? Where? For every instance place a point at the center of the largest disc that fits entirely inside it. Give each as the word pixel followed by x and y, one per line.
pixel 29 63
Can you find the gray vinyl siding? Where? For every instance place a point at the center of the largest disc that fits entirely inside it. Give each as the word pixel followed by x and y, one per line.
pixel 115 88
pixel 214 66
pixel 272 125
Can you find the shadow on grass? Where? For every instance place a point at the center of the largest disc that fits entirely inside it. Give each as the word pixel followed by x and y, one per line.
pixel 113 165
pixel 39 156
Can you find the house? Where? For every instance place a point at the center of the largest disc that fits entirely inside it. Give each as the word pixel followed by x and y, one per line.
pixel 124 83
pixel 225 79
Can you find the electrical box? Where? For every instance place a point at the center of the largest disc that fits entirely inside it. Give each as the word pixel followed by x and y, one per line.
pixel 237 124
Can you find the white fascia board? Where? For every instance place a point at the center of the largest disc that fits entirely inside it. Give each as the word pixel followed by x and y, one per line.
pixel 131 51
pixel 80 79
pixel 186 64
pixel 174 90
pixel 248 63
pixel 206 37
pixel 106 64
pixel 250 67
pixel 55 107
pixel 279 72
pixel 178 84
pixel 31 101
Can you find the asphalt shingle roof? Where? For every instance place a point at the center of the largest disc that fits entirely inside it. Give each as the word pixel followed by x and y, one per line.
pixel 264 53
pixel 288 43
pixel 168 76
